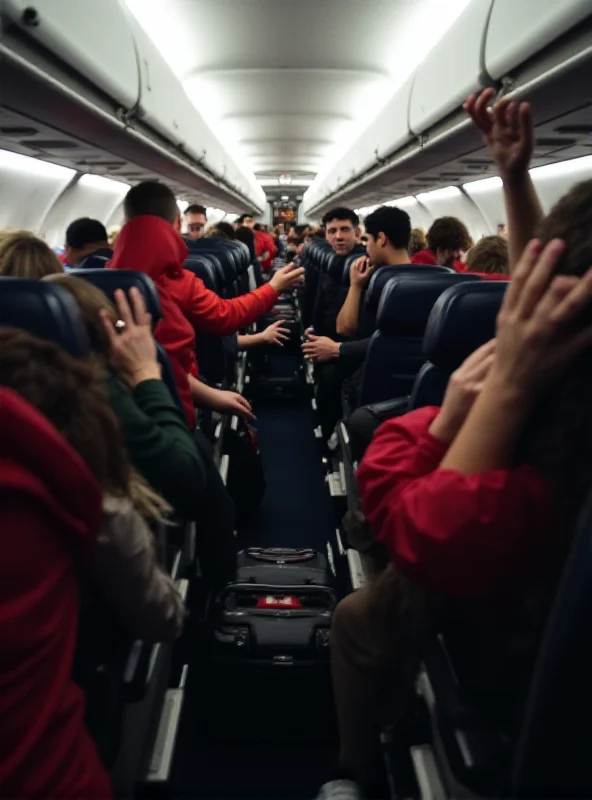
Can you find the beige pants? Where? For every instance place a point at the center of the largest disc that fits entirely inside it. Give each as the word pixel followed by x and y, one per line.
pixel 375 641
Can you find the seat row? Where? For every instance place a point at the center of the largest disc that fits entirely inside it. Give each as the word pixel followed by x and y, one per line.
pixel 465 736
pixel 134 731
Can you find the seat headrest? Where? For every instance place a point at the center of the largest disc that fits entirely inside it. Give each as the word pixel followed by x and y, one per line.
pixel 44 310
pixel 203 267
pixel 108 280
pixel 379 280
pixel 407 301
pixel 93 261
pixel 376 286
pixel 462 319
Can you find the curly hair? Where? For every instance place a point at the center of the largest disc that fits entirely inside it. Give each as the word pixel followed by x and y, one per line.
pixel 489 255
pixel 558 438
pixel 417 241
pixel 68 392
pixel 448 233
pixel 24 255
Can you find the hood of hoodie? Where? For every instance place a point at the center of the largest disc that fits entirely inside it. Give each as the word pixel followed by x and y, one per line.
pixel 151 245
pixel 37 460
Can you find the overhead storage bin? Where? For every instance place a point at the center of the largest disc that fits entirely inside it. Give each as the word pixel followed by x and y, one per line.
pixel 451 70
pixel 77 32
pixel 520 28
pixel 165 107
pixel 390 130
pixel 163 103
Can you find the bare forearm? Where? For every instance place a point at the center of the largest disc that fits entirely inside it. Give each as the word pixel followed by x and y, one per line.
pixel 487 439
pixel 248 340
pixel 202 394
pixel 347 319
pixel 524 212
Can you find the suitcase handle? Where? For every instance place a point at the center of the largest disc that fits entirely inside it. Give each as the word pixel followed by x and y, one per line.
pixel 280 556
pixel 270 588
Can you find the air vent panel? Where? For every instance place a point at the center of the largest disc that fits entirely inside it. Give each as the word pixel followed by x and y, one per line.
pixel 51 144
pixel 17 131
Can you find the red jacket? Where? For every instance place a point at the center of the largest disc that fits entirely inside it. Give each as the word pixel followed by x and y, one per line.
pixel 482 535
pixel 151 245
pixel 50 510
pixel 265 243
pixel 429 257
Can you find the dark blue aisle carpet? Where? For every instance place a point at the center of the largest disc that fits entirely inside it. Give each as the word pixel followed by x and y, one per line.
pixel 297 509
pixel 297 512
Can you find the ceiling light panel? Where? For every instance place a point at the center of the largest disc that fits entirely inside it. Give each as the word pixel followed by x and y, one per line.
pixel 288 103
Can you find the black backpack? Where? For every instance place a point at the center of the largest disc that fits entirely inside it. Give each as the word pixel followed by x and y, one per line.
pixel 246 479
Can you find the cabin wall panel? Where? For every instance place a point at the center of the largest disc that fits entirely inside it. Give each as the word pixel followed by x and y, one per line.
pixel 91 197
pixel 28 190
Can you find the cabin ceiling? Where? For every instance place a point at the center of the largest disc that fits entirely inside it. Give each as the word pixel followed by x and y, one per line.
pixel 286 85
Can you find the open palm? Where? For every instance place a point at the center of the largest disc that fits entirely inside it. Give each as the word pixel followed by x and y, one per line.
pixel 507 130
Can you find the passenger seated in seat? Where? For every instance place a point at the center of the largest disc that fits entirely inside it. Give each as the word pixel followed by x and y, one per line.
pixel 448 238
pixel 123 562
pixel 23 255
pixel 87 244
pixel 221 230
pixel 489 258
pixel 150 242
pixel 50 513
pixel 418 241
pixel 388 229
pixel 476 500
pixel 156 437
pixel 196 218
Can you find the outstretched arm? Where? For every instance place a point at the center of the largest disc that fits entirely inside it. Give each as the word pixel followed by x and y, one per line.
pixel 508 133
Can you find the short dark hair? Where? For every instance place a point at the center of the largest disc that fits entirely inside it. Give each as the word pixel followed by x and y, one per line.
pixel 341 213
pixel 222 230
pixel 393 222
pixel 448 233
pixel 85 231
pixel 151 198
pixel 195 208
pixel 258 227
pixel 243 217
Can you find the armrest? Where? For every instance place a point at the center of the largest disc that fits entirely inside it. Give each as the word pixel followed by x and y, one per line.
pixel 144 659
pixel 364 421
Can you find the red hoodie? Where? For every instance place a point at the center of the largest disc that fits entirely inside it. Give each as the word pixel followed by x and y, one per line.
pixel 477 536
pixel 151 245
pixel 50 510
pixel 429 257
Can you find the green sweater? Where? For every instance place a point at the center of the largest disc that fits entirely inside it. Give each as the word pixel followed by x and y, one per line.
pixel 159 443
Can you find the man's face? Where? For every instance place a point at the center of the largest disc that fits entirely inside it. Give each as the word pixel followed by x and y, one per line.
pixel 341 235
pixel 376 250
pixel 248 222
pixel 446 257
pixel 196 225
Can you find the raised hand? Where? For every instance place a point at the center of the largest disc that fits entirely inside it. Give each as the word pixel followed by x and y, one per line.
pixel 507 131
pixel 540 330
pixel 289 277
pixel 133 349
pixel 360 272
pixel 463 388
